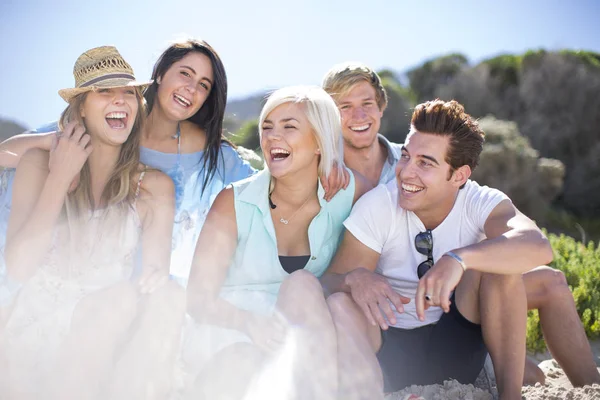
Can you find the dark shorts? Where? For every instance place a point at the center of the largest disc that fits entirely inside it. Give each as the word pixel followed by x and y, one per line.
pixel 451 349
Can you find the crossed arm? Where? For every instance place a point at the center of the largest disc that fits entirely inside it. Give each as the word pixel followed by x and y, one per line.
pixel 514 245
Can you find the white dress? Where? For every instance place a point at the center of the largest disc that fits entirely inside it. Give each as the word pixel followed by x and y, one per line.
pixel 84 257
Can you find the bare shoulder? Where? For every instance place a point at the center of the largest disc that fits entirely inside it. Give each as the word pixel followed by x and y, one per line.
pixel 362 185
pixel 193 137
pixel 224 202
pixel 155 182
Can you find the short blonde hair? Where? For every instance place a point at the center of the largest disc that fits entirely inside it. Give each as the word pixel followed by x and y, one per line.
pixel 341 78
pixel 323 115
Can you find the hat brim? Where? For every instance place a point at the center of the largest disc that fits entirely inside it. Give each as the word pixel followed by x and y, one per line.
pixel 69 94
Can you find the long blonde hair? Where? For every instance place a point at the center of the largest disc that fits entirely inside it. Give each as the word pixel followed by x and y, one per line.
pixel 121 187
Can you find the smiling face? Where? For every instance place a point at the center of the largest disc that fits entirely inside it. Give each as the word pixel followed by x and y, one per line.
pixel 426 183
pixel 185 86
pixel 110 114
pixel 361 116
pixel 288 141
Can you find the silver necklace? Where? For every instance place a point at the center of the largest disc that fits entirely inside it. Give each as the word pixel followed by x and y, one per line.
pixel 284 220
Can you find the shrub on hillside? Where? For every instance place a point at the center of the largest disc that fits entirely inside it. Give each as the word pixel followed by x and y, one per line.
pixel 247 136
pixel 553 97
pixel 426 78
pixel 581 266
pixel 395 123
pixel 510 164
pixel 254 158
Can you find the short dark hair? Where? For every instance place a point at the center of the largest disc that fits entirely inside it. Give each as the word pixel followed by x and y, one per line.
pixel 449 118
pixel 210 116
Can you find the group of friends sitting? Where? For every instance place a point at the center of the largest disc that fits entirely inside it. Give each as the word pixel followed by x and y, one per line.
pixel 143 258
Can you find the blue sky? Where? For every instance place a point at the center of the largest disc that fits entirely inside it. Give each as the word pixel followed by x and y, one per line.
pixel 269 44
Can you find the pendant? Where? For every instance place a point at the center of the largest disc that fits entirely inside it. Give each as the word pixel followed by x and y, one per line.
pixel 284 221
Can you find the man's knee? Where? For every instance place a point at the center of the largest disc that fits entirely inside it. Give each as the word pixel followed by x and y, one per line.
pixel 551 279
pixel 545 284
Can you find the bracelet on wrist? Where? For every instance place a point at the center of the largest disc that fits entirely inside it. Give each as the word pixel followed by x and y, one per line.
pixel 457 258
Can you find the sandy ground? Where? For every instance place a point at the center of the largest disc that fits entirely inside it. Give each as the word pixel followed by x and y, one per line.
pixel 557 386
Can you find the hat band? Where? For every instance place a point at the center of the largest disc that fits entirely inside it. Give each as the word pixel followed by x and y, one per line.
pixel 105 77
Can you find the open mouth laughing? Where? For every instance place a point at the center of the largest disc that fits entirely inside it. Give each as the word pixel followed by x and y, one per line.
pixel 116 119
pixel 411 189
pixel 278 154
pixel 182 100
pixel 360 128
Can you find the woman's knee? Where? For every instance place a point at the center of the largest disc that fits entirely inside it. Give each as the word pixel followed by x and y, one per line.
pixel 114 305
pixel 340 303
pixel 169 298
pixel 301 283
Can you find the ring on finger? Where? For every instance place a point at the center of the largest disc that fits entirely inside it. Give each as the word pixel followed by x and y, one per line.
pixel 428 297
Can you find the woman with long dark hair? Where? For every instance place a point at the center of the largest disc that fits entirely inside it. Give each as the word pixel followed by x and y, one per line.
pixel 183 137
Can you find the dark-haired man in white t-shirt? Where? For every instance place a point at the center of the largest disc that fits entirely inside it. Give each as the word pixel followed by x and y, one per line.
pixel 362 100
pixel 442 258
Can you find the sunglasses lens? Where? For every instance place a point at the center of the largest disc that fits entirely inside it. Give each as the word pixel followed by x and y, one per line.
pixel 423 268
pixel 424 243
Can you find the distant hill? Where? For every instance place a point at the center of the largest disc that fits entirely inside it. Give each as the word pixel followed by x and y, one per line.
pixel 246 108
pixel 9 128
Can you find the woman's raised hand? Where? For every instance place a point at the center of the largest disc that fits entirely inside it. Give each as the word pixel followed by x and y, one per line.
pixel 70 151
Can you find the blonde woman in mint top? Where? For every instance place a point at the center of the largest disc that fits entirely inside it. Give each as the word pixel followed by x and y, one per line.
pixel 254 289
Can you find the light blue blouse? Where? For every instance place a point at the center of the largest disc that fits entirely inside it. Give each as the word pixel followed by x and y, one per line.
pixel 255 275
pixel 192 205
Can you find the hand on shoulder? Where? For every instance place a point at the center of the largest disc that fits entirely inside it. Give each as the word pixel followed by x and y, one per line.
pixel 362 185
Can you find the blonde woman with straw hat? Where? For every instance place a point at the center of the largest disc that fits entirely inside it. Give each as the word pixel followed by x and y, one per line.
pixel 72 247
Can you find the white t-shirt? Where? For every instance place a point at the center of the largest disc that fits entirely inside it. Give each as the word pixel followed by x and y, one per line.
pixel 379 223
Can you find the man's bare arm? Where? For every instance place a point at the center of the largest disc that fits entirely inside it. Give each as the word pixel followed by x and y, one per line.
pixel 353 271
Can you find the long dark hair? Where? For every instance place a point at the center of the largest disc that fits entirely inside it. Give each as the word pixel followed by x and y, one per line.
pixel 210 116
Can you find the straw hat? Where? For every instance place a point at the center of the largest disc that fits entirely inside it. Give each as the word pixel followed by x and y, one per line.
pixel 100 67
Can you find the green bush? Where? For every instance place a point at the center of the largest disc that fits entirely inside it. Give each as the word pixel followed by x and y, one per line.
pixel 581 265
pixel 510 164
pixel 247 136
